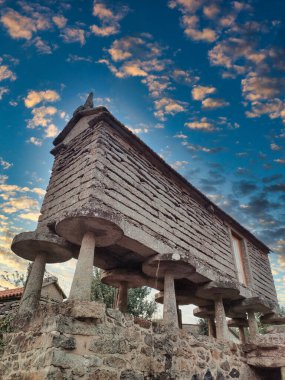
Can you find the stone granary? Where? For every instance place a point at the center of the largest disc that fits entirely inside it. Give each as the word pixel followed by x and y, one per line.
pixel 114 203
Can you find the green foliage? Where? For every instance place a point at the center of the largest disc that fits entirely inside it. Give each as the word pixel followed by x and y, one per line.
pixel 203 326
pixel 138 305
pixel 101 292
pixel 262 328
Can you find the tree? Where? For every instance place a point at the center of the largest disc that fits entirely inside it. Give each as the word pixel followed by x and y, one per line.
pixel 101 292
pixel 203 326
pixel 138 304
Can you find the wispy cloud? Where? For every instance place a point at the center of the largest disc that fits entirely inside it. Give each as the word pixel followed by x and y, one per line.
pixel 5 164
pixel 35 97
pixel 167 106
pixel 211 103
pixel 73 34
pixel 22 27
pixel 203 125
pixel 200 92
pixel 109 18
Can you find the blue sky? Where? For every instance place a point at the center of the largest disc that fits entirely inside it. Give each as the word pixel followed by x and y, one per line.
pixel 201 82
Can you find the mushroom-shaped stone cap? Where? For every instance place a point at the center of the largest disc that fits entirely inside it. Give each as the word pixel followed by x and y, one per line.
pixel 238 322
pixel 183 299
pixel 157 266
pixel 211 290
pixel 29 244
pixel 74 226
pixel 134 279
pixel 254 304
pixel 204 312
pixel 273 319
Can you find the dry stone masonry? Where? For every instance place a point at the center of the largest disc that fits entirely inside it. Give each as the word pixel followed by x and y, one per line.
pixel 114 203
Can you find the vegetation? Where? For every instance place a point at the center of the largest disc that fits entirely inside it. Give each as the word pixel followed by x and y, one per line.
pixel 5 327
pixel 138 304
pixel 203 326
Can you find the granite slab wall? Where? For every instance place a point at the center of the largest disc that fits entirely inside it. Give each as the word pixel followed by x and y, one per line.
pixel 80 341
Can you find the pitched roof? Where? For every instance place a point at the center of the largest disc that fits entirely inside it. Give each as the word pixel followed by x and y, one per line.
pixel 11 293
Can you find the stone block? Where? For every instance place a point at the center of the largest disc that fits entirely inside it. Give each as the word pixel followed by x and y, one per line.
pixel 103 374
pixel 131 375
pixel 88 309
pixel 110 345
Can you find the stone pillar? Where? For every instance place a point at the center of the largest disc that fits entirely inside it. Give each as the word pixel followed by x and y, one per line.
pixel 221 322
pixel 242 335
pixel 282 373
pixel 179 315
pixel 252 325
pixel 32 293
pixel 81 284
pixel 169 302
pixel 123 297
pixel 211 327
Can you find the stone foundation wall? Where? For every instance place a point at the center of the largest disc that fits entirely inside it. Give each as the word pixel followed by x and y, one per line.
pixel 83 341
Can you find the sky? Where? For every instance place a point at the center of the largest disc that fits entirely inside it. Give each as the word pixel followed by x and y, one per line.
pixel 201 82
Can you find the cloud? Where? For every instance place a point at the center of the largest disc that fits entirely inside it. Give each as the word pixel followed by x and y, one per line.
pixel 51 131
pixel 179 165
pixel 168 106
pixel 20 26
pixel 230 52
pixel 32 216
pixel 200 92
pixel 41 46
pixel 138 131
pixel 181 136
pixel 201 148
pixel 109 18
pixel 211 11
pixel 190 25
pixel 274 146
pixel 60 21
pixel 35 97
pixel 16 204
pixel 185 77
pixel 190 6
pixel 78 58
pixel 203 125
pixel 5 164
pixel 280 161
pixel 128 47
pixel 6 73
pixel 214 103
pixel 3 91
pixel 274 108
pixel 157 85
pixel 244 188
pixel 70 35
pixel 41 116
pixel 256 87
pixel 35 141
pixel 103 31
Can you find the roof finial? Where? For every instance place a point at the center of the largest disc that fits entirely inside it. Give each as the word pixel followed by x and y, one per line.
pixel 87 105
pixel 89 101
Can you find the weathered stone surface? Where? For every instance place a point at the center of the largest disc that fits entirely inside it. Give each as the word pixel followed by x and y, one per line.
pixel 87 309
pixel 58 346
pixel 131 375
